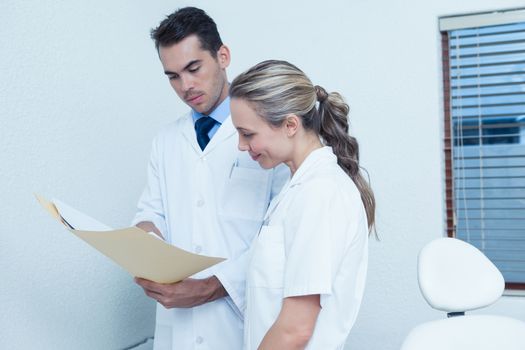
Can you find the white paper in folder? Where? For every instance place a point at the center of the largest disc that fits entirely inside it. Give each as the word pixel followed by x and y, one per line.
pixel 138 252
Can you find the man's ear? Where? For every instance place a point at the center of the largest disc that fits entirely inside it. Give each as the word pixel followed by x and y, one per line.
pixel 292 124
pixel 223 56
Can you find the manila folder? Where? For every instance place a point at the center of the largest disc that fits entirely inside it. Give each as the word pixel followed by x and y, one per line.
pixel 140 253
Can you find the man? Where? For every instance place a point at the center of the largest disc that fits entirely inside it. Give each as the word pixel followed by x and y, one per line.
pixel 203 194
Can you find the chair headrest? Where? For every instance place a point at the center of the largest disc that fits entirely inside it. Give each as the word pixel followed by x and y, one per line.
pixel 455 276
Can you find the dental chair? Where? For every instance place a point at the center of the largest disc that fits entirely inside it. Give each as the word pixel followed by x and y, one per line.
pixel 456 277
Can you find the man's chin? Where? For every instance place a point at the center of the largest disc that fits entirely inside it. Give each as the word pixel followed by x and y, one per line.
pixel 202 109
pixel 199 109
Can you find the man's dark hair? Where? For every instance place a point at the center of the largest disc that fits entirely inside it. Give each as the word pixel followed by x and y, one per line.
pixel 185 22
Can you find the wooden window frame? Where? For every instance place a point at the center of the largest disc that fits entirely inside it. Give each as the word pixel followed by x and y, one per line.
pixel 450 220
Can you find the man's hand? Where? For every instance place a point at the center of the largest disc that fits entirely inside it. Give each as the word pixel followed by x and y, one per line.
pixel 148 226
pixel 184 294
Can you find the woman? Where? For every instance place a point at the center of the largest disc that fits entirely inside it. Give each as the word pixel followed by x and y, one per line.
pixel 307 274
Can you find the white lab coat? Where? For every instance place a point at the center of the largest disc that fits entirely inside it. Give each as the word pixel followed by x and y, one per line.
pixel 314 241
pixel 209 202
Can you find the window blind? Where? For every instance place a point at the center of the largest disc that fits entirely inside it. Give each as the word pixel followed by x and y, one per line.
pixel 486 138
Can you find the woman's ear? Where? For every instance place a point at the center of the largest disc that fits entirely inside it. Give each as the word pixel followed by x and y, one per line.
pixel 292 124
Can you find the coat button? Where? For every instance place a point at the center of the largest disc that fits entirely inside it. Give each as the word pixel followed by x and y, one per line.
pixel 200 202
pixel 199 340
pixel 198 249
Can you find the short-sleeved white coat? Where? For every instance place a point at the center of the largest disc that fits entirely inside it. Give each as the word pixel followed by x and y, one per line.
pixel 314 241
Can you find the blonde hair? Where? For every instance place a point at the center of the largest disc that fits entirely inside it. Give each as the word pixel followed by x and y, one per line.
pixel 278 88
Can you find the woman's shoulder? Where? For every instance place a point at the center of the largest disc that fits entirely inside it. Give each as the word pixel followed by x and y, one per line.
pixel 327 187
pixel 331 178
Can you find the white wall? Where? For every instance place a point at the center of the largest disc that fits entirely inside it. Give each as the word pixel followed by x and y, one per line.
pixel 82 95
pixel 81 98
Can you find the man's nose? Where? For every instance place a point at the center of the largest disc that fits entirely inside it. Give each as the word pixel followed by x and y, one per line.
pixel 187 83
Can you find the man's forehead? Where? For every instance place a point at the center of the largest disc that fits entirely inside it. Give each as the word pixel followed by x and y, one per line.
pixel 179 55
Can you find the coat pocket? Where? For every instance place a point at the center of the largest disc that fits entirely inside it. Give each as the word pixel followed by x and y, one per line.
pixel 268 259
pixel 246 193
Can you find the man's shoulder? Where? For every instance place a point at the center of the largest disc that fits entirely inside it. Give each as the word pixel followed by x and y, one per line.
pixel 174 127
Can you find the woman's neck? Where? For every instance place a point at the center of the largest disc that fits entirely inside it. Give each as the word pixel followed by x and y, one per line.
pixel 302 150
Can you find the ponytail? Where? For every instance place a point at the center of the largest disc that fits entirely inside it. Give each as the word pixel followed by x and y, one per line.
pixel 333 129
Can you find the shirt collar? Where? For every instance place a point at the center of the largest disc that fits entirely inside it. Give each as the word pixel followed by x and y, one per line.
pixel 315 159
pixel 219 114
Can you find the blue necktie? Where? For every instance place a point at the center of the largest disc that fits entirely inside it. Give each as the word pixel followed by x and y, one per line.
pixel 203 126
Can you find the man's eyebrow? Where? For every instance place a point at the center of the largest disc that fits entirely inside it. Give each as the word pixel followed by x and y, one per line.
pixel 186 67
